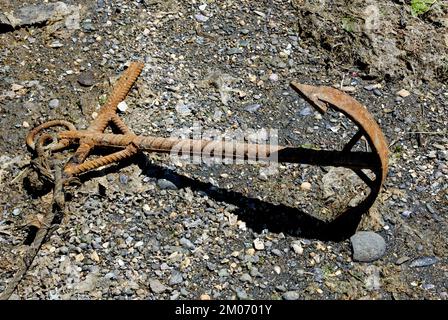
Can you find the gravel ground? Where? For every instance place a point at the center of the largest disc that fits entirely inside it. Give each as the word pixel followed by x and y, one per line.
pixel 154 229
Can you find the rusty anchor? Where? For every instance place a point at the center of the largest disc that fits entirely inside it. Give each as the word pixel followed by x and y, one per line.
pixel 321 98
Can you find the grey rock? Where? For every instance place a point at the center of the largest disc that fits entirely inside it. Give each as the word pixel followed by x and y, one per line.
pixel 423 262
pixel 281 288
pixel 176 278
pixel 231 51
pixel 43 13
pixel 54 103
pixel 86 78
pixel 367 246
pixel 223 273
pixel 200 17
pixel 166 184
pixel 246 278
pixel 305 112
pixel 377 92
pixel 156 286
pixel 252 107
pixel 277 252
pixel 241 294
pixel 186 243
pixel 291 295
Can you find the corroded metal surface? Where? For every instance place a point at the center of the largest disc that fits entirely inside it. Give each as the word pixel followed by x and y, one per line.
pixel 321 98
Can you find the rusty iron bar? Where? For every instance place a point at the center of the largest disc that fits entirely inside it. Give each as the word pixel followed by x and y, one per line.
pixel 319 97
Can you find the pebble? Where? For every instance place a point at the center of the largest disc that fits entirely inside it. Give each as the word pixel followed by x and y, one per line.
pixel 156 286
pixel 246 278
pixel 305 186
pixel 297 247
pixel 367 246
pixel 166 184
pixel 377 92
pixel 423 262
pixel 277 269
pixel 54 103
pixel 402 260
pixel 273 77
pixel 200 17
pixel 122 106
pixel 25 124
pixel 86 78
pixel 258 244
pixel 16 87
pixel 252 107
pixel 291 295
pixel 406 213
pixel 241 294
pixel 205 297
pixel 403 93
pixel 372 87
pixel 176 278
pixel 186 243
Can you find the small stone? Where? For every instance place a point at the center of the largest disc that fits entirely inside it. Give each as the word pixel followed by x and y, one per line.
pixel 258 244
pixel 123 179
pixel 86 78
pixel 277 252
pixel 367 246
pixel 16 87
pixel 122 106
pixel 406 213
pixel 54 103
pixel 241 294
pixel 79 257
pixel 205 297
pixel 291 295
pixel 250 251
pixel 94 256
pixel 263 176
pixel 56 44
pixel 223 273
pixel 176 278
pixel 402 260
pixel 297 247
pixel 273 77
pixel 305 186
pixel 146 209
pixel 403 93
pixel 350 89
pixel 200 17
pixel 252 107
pixel 277 269
pixel 377 92
pixel 202 7
pixel 156 286
pixel 372 87
pixel 16 212
pixel 423 262
pixel 246 278
pixel 186 243
pixel 25 124
pixel 166 184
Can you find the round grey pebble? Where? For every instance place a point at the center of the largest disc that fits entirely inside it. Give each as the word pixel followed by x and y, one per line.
pixel 86 78
pixel 166 184
pixel 54 103
pixel 291 295
pixel 367 246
